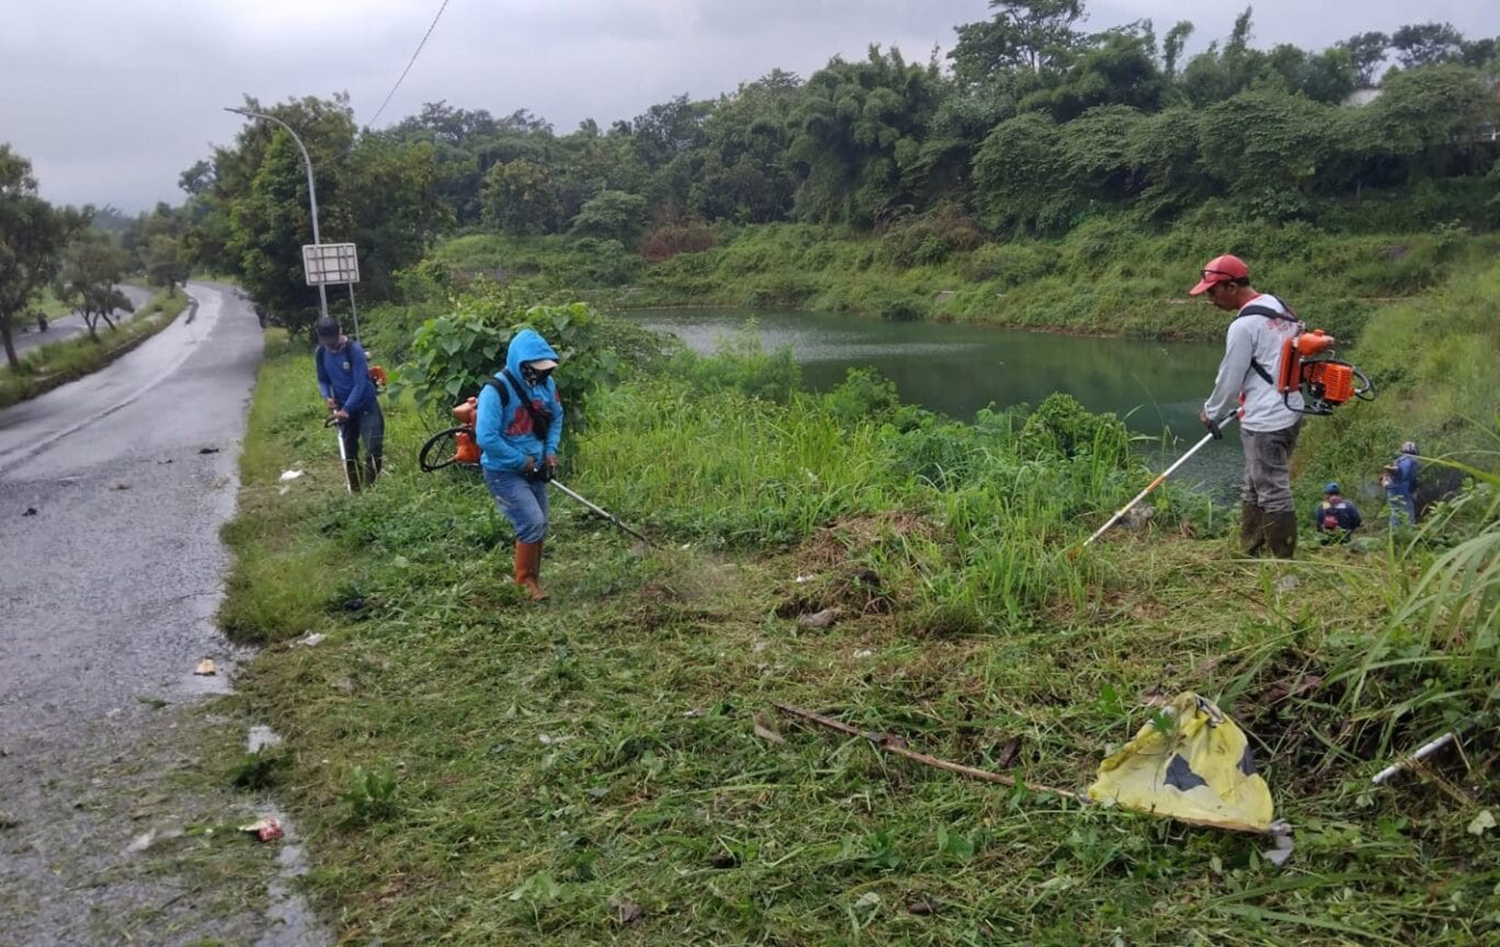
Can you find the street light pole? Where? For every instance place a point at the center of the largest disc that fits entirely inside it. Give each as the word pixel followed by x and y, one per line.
pixel 312 190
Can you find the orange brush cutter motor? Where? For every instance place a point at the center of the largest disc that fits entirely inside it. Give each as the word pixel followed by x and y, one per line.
pixel 468 448
pixel 1325 383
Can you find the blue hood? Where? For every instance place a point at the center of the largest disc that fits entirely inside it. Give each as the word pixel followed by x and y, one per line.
pixel 527 346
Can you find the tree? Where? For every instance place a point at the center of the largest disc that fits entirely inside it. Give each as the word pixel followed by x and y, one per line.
pixel 1176 38
pixel 165 263
pixel 1367 50
pixel 857 137
pixel 88 279
pixel 613 215
pixel 1423 44
pixel 32 235
pixel 1029 35
pixel 519 197
pixel 260 189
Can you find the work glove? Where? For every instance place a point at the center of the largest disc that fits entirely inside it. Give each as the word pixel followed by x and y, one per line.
pixel 1213 427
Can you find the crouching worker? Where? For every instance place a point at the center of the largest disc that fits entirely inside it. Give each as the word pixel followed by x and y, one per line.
pixel 1335 519
pixel 518 425
pixel 344 381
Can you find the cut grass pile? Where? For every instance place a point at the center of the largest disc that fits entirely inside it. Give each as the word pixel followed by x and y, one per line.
pixel 471 769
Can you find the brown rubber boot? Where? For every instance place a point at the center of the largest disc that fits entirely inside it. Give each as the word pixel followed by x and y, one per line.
pixel 528 563
pixel 1281 534
pixel 1252 529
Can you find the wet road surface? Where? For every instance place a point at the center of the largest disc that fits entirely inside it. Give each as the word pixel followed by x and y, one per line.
pixel 112 491
pixel 65 327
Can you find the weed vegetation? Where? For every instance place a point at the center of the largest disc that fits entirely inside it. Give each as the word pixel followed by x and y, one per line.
pixel 1103 278
pixel 608 767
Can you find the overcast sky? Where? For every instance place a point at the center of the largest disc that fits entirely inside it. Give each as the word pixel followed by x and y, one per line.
pixel 111 99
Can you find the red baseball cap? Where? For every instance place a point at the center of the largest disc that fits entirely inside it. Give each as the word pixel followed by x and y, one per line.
pixel 1221 269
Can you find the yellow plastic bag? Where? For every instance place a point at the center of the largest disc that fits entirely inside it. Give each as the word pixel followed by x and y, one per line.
pixel 1200 771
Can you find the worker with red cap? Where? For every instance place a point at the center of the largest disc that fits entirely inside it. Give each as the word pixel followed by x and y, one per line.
pixel 1269 421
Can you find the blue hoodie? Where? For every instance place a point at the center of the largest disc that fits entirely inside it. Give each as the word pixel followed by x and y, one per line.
pixel 507 441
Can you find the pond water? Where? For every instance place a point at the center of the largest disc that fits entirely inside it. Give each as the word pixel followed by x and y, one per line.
pixel 958 369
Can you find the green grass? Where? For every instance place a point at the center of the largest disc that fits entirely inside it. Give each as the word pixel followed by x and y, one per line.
pixel 475 770
pixel 1107 277
pixel 47 366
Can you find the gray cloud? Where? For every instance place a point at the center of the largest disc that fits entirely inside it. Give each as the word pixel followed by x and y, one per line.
pixel 112 100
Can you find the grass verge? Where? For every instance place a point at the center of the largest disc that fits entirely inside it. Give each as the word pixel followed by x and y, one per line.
pixel 473 769
pixel 48 366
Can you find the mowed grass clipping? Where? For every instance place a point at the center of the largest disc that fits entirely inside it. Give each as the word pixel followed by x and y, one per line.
pixel 470 769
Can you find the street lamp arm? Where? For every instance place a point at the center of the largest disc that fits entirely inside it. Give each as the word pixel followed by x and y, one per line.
pixel 312 190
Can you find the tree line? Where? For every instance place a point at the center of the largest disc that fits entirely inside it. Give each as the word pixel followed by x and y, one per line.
pixel 1031 125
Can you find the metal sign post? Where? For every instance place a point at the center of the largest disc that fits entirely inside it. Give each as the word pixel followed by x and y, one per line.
pixel 325 263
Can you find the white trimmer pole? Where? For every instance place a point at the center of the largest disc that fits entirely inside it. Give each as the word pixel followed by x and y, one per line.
pixel 1160 479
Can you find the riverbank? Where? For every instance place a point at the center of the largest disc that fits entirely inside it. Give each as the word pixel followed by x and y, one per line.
pixel 1107 277
pixel 48 366
pixel 609 766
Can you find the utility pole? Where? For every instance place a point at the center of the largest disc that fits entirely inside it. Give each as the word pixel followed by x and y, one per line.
pixel 312 190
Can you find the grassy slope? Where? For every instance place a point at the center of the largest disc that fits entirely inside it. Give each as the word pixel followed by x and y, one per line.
pixel 1106 277
pixel 47 366
pixel 554 766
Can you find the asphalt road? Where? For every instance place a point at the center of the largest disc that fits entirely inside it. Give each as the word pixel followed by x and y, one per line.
pixel 65 327
pixel 112 491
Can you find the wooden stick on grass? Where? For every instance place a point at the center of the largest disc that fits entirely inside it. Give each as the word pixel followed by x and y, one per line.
pixel 893 745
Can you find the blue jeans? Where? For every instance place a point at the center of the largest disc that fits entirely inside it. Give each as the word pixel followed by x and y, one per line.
pixel 524 502
pixel 367 426
pixel 1403 507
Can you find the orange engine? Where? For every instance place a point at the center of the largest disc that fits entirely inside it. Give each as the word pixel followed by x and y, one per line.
pixel 466 412
pixel 1330 381
pixel 467 451
pixel 1293 351
pixel 378 376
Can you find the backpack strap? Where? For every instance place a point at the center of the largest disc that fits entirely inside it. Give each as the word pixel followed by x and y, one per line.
pixel 1256 309
pixel 502 390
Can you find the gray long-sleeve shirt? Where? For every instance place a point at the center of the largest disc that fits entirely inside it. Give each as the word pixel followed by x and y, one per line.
pixel 1260 337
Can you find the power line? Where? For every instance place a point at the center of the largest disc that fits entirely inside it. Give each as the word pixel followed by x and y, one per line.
pixel 411 63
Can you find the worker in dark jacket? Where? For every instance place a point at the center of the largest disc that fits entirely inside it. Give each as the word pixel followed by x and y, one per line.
pixel 1400 480
pixel 518 425
pixel 344 381
pixel 1334 518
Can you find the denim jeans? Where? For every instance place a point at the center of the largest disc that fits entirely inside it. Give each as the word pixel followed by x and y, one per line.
pixel 1403 508
pixel 524 502
pixel 367 426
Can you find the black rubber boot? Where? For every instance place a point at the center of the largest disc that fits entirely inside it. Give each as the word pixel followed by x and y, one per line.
pixel 1281 534
pixel 1252 529
pixel 371 470
pixel 351 470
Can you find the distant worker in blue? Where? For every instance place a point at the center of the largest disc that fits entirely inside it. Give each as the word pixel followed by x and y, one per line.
pixel 345 383
pixel 1334 518
pixel 519 424
pixel 1400 481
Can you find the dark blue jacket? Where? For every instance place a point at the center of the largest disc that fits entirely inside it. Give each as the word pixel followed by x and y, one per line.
pixel 1344 514
pixel 507 437
pixel 1404 478
pixel 345 377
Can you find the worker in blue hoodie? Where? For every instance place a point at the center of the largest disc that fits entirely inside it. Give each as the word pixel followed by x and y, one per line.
pixel 344 382
pixel 518 425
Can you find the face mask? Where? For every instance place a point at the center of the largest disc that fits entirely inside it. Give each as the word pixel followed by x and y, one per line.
pixel 533 377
